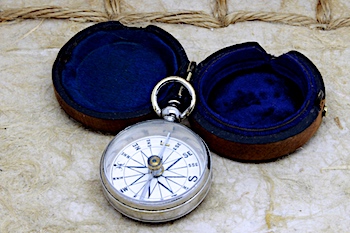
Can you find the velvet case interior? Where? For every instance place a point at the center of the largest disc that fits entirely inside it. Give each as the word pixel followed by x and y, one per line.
pixel 250 97
pixel 106 73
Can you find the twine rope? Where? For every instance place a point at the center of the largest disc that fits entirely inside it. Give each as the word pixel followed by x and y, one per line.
pixel 113 10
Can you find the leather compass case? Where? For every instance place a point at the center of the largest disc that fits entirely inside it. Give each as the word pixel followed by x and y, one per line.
pixel 251 106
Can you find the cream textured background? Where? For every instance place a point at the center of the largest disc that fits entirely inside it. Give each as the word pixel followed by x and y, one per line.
pixel 49 164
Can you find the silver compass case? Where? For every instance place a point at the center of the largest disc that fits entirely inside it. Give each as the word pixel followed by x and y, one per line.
pixel 175 187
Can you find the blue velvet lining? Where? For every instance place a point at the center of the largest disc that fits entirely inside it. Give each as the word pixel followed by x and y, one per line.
pixel 116 70
pixel 244 90
pixel 258 98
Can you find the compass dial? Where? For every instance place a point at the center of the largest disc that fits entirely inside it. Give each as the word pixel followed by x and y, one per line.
pixel 180 169
pixel 156 171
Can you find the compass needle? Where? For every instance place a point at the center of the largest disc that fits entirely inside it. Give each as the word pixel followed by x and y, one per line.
pixel 160 155
pixel 146 187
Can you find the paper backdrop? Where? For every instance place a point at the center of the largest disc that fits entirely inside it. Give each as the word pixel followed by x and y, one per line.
pixel 49 164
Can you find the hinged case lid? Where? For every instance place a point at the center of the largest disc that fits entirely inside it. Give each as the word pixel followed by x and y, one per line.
pixel 103 76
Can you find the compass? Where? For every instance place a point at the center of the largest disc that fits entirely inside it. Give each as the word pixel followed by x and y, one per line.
pixel 157 170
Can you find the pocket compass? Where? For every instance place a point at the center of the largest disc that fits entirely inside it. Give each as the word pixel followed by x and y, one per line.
pixel 157 170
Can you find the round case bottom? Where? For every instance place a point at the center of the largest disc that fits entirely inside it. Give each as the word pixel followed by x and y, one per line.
pixel 255 107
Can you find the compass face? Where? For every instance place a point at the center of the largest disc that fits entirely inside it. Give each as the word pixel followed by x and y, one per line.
pixel 156 171
pixel 131 175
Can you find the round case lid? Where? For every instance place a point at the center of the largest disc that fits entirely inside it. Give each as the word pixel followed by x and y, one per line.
pixel 103 76
pixel 253 106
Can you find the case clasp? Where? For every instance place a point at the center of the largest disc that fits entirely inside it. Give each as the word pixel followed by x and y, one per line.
pixel 321 102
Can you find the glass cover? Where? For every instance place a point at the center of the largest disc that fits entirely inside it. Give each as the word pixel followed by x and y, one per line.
pixel 179 157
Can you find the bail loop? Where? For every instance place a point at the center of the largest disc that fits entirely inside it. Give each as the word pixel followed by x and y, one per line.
pixel 171 112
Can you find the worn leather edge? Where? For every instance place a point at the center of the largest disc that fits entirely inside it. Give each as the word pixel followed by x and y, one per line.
pixel 98 124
